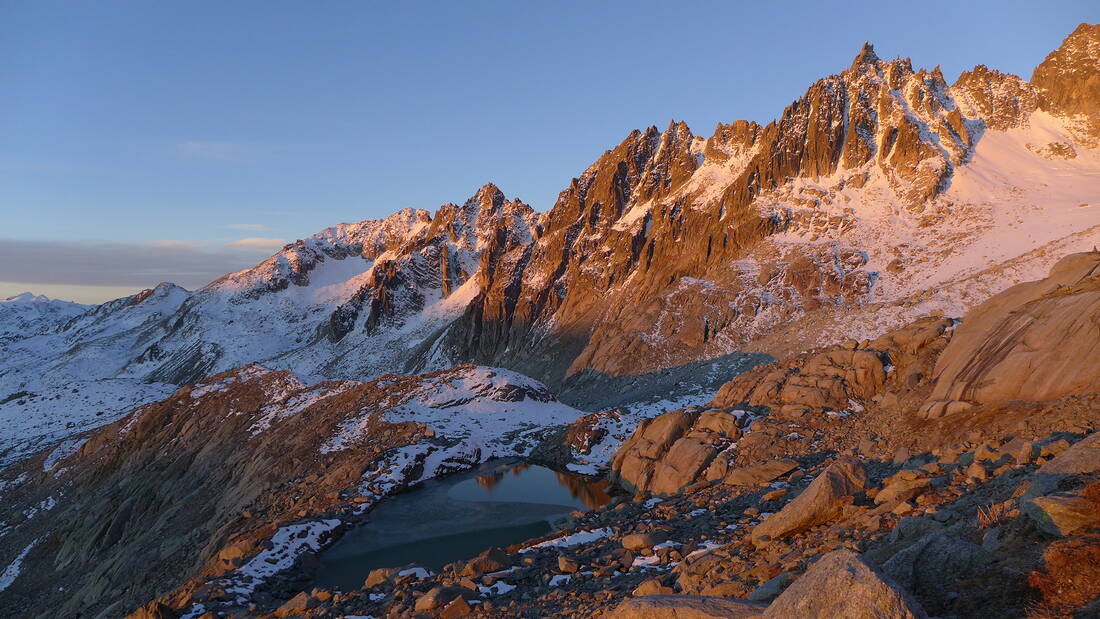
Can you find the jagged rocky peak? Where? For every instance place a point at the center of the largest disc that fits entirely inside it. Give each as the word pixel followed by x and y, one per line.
pixel 1001 100
pixel 292 264
pixel 486 219
pixel 672 163
pixel 1068 80
pixel 866 55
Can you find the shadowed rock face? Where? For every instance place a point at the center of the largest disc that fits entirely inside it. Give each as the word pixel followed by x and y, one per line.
pixel 842 584
pixel 1027 343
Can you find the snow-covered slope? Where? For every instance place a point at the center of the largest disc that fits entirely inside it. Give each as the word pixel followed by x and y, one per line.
pixel 354 301
pixel 1011 212
pixel 66 380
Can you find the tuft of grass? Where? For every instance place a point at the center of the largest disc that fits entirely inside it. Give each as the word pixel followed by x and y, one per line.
pixel 993 515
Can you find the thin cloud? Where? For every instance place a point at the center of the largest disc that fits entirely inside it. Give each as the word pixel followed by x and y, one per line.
pixel 258 242
pixel 113 263
pixel 249 227
pixel 174 244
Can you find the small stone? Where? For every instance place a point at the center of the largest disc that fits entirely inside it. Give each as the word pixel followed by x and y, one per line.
pixel 379 576
pixel 637 541
pixel 652 587
pixel 567 565
pixel 458 607
pixel 902 509
pixel 774 495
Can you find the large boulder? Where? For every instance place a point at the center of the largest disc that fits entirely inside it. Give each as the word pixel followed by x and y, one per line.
pixel 826 380
pixel 1025 343
pixel 675 449
pixel 841 584
pixel 685 607
pixel 684 462
pixel 633 464
pixel 822 501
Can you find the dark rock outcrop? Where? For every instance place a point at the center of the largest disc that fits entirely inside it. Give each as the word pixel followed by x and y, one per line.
pixel 841 584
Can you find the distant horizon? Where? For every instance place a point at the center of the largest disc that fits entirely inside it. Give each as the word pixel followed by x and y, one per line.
pixel 182 142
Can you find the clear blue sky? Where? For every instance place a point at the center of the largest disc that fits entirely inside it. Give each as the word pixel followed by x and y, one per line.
pixel 145 137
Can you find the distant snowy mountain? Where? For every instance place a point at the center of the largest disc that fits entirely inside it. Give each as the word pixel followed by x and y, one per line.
pixel 64 379
pixel 881 195
pixel 27 314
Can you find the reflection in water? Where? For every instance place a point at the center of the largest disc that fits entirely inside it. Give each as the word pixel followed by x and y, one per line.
pixel 490 480
pixel 456 518
pixel 592 493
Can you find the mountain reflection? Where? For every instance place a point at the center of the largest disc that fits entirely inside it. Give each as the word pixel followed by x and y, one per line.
pixel 592 493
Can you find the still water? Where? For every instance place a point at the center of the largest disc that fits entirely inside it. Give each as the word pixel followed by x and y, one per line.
pixel 456 518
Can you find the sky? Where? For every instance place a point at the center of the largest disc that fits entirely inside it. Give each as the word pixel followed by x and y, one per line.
pixel 178 141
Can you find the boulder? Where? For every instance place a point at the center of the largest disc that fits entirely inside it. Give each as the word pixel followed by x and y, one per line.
pixel 1026 343
pixel 1021 450
pixel 684 461
pixel 1063 514
pixel 638 541
pixel 492 560
pixel 822 501
pixel 935 562
pixel 719 422
pixel 652 587
pixel 842 584
pixel 902 490
pixel 456 608
pixel 297 605
pixel 685 607
pixel 914 528
pixel 1080 459
pixel 567 565
pixel 635 460
pixel 379 576
pixel 439 597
